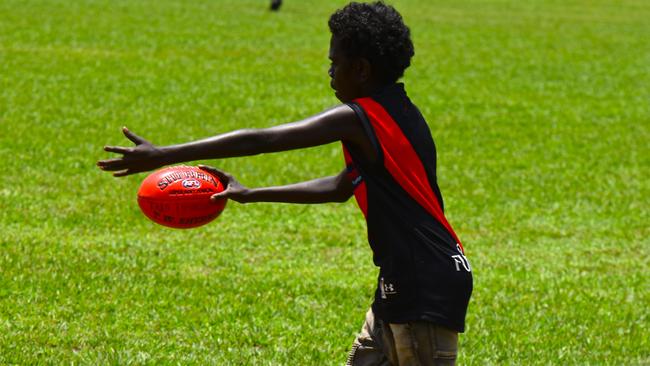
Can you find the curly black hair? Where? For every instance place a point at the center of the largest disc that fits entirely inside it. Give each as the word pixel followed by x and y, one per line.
pixel 376 32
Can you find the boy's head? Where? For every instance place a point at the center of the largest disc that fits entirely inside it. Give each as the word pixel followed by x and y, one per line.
pixel 371 43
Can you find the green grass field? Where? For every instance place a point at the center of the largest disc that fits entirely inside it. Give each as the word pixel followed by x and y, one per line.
pixel 541 114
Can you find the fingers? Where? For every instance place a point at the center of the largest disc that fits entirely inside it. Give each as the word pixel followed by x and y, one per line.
pixel 220 196
pixel 122 173
pixel 117 163
pixel 111 164
pixel 118 149
pixel 211 169
pixel 133 137
pixel 223 176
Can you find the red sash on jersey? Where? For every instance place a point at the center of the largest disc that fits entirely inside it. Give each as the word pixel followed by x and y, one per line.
pixel 401 161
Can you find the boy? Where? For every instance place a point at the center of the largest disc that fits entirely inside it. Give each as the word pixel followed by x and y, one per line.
pixel 424 281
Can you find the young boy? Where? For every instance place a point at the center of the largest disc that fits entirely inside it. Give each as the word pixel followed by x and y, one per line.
pixel 424 281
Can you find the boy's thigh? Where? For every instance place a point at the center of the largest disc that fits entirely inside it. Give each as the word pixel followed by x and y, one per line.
pixel 417 343
pixel 368 348
pixel 422 344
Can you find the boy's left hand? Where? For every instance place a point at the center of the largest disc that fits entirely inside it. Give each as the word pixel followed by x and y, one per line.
pixel 233 189
pixel 142 157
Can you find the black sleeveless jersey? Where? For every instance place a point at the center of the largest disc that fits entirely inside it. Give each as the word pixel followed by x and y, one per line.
pixel 423 272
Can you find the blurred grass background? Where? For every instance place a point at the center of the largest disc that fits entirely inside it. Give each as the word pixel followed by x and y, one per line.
pixel 541 114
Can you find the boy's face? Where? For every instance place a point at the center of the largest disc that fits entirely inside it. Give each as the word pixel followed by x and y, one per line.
pixel 348 74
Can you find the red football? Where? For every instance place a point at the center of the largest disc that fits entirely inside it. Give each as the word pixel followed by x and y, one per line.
pixel 179 197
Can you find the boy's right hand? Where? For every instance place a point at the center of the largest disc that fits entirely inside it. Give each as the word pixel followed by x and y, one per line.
pixel 141 158
pixel 233 189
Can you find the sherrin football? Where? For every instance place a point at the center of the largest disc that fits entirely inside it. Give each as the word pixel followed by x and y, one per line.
pixel 179 197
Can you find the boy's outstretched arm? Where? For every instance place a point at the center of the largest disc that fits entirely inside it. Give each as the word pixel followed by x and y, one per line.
pixel 337 188
pixel 338 123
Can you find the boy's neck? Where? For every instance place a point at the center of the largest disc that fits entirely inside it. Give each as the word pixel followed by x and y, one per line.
pixel 375 86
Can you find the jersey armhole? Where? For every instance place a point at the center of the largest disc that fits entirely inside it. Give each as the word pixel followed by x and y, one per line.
pixel 370 131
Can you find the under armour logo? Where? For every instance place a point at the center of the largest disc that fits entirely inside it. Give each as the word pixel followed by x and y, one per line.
pixel 386 288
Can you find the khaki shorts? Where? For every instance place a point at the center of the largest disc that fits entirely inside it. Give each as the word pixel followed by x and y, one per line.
pixel 410 344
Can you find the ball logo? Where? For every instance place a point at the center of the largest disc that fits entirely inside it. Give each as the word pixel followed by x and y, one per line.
pixel 191 183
